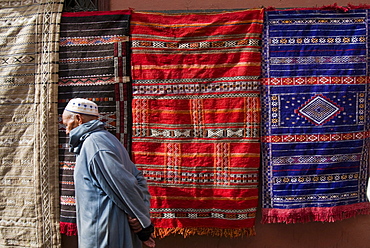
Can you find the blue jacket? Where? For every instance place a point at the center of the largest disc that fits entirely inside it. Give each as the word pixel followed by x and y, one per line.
pixel 108 188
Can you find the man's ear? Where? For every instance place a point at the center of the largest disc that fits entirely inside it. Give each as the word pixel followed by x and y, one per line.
pixel 79 119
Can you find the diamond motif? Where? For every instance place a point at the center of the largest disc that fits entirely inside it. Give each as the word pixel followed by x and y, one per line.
pixel 319 110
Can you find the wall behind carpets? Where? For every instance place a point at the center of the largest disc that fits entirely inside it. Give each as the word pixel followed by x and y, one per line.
pixel 350 233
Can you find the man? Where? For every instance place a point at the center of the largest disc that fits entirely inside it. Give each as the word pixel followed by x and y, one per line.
pixel 112 199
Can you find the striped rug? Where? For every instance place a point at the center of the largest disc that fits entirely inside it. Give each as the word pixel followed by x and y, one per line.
pixel 28 123
pixel 196 118
pixel 93 64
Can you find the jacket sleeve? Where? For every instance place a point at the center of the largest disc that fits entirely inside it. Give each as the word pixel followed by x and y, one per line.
pixel 143 185
pixel 127 190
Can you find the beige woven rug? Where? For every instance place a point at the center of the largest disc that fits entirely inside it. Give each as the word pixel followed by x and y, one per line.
pixel 29 204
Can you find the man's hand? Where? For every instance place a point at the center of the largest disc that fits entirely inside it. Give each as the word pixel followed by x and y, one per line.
pixel 135 225
pixel 150 242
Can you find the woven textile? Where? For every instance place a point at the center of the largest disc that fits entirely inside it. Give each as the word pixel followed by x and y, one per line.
pixel 93 53
pixel 315 115
pixel 196 118
pixel 28 147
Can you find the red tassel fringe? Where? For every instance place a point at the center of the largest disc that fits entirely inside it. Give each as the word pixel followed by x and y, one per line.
pixel 69 229
pixel 361 6
pixel 189 231
pixel 304 215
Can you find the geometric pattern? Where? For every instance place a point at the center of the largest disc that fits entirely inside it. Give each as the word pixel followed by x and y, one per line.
pixel 318 110
pixel 196 119
pixel 28 126
pixel 315 123
pixel 92 65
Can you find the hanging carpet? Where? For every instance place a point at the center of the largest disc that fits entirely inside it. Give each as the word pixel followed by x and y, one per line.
pixel 196 118
pixel 93 54
pixel 28 113
pixel 315 115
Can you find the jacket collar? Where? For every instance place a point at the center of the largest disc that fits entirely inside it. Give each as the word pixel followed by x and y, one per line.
pixel 78 135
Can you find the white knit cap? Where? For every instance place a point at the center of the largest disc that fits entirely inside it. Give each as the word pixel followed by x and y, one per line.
pixel 82 106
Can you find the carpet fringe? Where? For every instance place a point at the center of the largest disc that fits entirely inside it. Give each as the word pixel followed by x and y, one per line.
pixel 304 215
pixel 220 232
pixel 69 229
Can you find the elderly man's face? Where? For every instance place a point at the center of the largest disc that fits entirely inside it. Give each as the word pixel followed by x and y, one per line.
pixel 70 121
